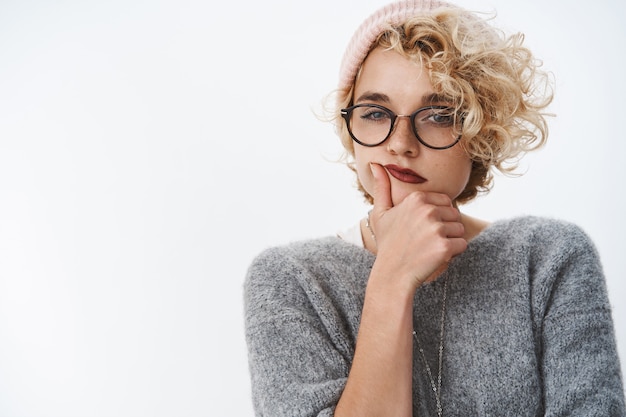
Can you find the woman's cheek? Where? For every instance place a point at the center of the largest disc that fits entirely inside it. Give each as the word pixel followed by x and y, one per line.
pixel 366 179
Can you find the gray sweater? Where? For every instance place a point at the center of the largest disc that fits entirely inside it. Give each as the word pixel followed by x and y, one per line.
pixel 528 326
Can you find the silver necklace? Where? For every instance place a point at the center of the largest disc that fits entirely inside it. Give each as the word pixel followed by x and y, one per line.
pixel 367 224
pixel 436 388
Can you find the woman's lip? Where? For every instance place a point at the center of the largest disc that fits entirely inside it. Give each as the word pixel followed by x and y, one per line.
pixel 404 174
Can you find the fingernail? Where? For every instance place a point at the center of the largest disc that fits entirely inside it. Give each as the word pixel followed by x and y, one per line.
pixel 372 169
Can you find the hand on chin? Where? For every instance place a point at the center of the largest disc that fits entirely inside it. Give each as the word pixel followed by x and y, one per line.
pixel 400 190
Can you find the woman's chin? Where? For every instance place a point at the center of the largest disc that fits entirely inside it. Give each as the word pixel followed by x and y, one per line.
pixel 398 196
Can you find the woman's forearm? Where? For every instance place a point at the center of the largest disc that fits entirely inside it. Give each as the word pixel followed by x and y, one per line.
pixel 380 379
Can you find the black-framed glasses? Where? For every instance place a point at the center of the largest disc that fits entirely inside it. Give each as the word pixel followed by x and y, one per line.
pixel 437 127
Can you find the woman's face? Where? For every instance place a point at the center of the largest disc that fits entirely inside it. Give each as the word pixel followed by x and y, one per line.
pixel 402 86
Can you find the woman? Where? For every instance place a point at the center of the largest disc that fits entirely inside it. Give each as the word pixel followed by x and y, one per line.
pixel 421 310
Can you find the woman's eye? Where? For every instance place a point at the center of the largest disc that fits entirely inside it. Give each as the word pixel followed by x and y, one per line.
pixel 442 117
pixel 375 115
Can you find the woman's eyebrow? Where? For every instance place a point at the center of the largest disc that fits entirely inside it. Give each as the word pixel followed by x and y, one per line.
pixel 372 96
pixel 434 98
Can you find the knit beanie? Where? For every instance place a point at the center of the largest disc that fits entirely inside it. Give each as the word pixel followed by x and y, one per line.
pixel 362 40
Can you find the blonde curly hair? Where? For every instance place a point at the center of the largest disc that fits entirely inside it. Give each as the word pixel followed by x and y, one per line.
pixel 491 78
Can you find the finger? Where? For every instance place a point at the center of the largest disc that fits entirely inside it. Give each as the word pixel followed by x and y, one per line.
pixel 453 230
pixel 382 188
pixel 432 198
pixel 440 205
pixel 457 246
pixel 449 214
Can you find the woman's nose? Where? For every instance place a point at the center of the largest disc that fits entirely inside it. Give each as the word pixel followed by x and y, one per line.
pixel 402 140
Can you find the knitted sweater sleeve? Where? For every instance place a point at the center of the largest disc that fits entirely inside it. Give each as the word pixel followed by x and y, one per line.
pixel 579 361
pixel 298 341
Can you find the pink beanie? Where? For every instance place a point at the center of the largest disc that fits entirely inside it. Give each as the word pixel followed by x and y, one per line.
pixel 361 42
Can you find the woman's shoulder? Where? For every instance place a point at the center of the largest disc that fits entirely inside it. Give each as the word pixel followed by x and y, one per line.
pixel 537 234
pixel 323 249
pixel 318 257
pixel 535 227
pixel 307 275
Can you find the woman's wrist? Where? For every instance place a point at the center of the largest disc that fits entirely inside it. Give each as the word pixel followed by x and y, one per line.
pixel 390 286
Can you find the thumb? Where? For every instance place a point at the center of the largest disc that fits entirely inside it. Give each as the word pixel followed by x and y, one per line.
pixel 382 188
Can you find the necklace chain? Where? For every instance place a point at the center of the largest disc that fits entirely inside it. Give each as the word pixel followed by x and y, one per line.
pixel 436 388
pixel 369 227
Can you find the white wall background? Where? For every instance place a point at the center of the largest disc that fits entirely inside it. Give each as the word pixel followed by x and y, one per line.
pixel 149 149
